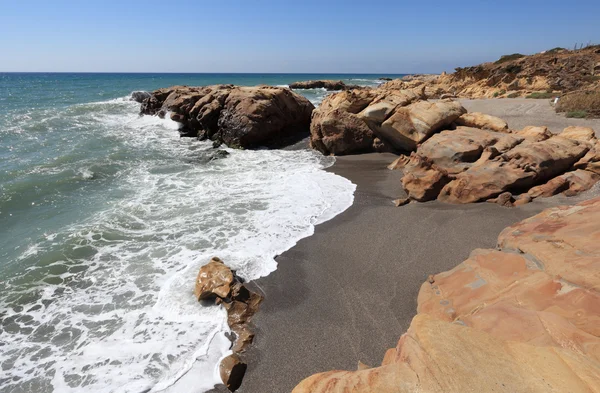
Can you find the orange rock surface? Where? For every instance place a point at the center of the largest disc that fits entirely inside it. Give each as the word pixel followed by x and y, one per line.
pixel 521 318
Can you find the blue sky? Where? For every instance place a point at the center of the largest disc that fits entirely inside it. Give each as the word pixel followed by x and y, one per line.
pixel 376 36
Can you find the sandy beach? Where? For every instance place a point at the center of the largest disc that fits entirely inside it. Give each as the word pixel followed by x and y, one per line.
pixel 348 292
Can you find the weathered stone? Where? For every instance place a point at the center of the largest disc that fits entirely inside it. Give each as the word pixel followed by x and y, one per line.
pixel 245 117
pixel 140 96
pixel 570 183
pixel 535 134
pixel 232 370
pixel 591 161
pixel 505 199
pixel 214 280
pixel 482 121
pixel 401 202
pixel 584 134
pixel 323 84
pixel 413 124
pixel 524 318
pixel 399 162
pixel 423 180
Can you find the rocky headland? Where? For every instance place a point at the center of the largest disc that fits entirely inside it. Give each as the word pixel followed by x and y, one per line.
pixel 522 317
pixel 329 85
pixel 552 72
pixel 243 117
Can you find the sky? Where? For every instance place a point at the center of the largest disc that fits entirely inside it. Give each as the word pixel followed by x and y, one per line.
pixel 285 36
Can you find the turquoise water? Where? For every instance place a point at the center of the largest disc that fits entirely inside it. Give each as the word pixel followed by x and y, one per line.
pixel 106 216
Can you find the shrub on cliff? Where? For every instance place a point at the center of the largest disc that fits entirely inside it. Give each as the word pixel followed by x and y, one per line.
pixel 577 103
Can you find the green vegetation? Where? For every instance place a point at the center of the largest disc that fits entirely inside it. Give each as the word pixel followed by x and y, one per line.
pixel 591 78
pixel 577 114
pixel 513 69
pixel 513 95
pixel 540 95
pixel 499 93
pixel 506 58
pixel 580 104
pixel 555 50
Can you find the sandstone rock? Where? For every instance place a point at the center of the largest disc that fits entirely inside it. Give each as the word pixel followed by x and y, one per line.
pixel 232 371
pixel 570 183
pixel 584 134
pixel 523 318
pixel 423 180
pixel 214 280
pixel 323 84
pixel 399 162
pixel 456 150
pixel 401 202
pixel 245 117
pixel 483 121
pixel 591 161
pixel 505 199
pixel 413 124
pixel 339 132
pixel 535 134
pixel 521 167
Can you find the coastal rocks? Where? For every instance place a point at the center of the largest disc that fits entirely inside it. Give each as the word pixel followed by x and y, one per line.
pixel 323 84
pixel 217 283
pixel 521 318
pixel 483 121
pixel 374 120
pixel 139 96
pixel 480 164
pixel 242 117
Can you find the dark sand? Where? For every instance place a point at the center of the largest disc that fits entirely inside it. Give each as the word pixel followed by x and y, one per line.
pixel 348 292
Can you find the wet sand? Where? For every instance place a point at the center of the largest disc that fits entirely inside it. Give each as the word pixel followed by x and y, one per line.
pixel 348 292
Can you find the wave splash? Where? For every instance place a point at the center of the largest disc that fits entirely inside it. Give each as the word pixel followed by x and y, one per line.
pixel 105 303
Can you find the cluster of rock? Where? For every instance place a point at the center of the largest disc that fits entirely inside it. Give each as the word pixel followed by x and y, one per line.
pixel 524 317
pixel 378 120
pixel 323 84
pixel 491 163
pixel 243 117
pixel 219 284
pixel 558 70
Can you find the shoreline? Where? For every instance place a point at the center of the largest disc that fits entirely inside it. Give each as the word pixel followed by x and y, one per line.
pixel 349 291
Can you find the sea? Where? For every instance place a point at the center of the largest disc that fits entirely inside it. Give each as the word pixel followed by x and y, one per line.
pixel 106 217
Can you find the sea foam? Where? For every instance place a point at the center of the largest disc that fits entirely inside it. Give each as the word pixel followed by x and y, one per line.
pixel 106 304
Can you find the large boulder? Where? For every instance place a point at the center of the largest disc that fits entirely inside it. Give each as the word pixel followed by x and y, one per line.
pixel 409 126
pixel 214 280
pixel 522 167
pixel 521 318
pixel 483 121
pixel 244 117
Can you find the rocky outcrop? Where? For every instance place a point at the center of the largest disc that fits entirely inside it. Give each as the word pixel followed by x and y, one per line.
pixel 375 120
pixel 219 284
pixel 483 121
pixel 521 318
pixel 243 117
pixel 469 165
pixel 139 96
pixel 323 84
pixel 557 71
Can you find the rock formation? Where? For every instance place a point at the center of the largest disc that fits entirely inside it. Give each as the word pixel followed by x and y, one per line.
pixel 217 283
pixel 323 84
pixel 376 120
pixel 524 317
pixel 468 164
pixel 557 70
pixel 244 117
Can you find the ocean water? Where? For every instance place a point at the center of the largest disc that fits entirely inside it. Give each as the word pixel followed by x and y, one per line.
pixel 106 217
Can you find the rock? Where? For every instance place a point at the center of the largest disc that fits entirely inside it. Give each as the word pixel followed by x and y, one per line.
pixel 591 161
pixel 323 84
pixel 413 124
pixel 483 121
pixel 521 167
pixel 214 280
pixel 139 96
pixel 570 183
pixel 505 199
pixel 423 180
pixel 399 162
pixel 242 117
pixel 232 371
pixel 389 79
pixel 522 199
pixel 340 133
pixel 456 150
pixel 584 134
pixel 401 202
pixel 535 134
pixel 521 318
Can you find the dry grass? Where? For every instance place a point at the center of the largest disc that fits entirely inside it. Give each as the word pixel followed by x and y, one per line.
pixel 580 102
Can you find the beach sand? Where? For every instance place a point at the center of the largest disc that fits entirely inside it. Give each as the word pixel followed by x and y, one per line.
pixel 348 292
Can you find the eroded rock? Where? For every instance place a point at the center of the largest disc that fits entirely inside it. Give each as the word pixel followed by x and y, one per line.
pixel 482 121
pixel 243 117
pixel 232 370
pixel 522 318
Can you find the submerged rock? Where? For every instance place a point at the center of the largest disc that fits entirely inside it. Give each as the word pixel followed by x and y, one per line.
pixel 241 117
pixel 522 318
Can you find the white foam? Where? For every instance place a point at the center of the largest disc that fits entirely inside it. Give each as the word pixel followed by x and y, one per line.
pixel 122 317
